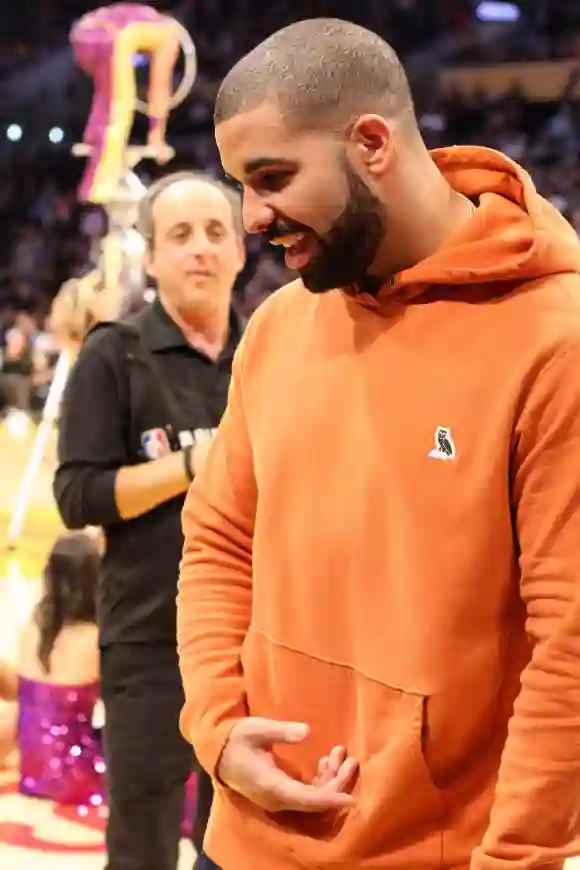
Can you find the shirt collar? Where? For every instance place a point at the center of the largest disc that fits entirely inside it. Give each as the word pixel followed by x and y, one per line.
pixel 162 333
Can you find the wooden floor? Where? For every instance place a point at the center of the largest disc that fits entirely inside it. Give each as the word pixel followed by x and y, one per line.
pixel 37 835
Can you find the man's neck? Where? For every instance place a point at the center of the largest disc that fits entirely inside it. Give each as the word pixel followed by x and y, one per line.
pixel 205 332
pixel 432 213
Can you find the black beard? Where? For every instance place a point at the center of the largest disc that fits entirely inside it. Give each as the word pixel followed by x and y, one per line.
pixel 347 251
pixel 349 248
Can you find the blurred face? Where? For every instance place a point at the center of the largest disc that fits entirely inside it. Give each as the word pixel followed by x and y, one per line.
pixel 25 323
pixel 196 253
pixel 302 191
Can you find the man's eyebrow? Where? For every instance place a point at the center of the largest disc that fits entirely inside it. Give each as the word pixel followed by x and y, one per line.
pixel 180 225
pixel 251 166
pixel 261 163
pixel 258 163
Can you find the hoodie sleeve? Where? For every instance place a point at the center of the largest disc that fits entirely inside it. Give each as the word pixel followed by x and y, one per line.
pixel 215 584
pixel 535 822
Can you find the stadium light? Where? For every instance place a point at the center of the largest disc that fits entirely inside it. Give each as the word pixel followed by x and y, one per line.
pixel 56 135
pixel 495 10
pixel 14 132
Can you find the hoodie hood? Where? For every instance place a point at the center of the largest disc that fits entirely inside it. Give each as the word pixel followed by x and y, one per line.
pixel 514 235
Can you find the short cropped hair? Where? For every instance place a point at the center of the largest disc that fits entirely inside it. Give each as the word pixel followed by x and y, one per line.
pixel 145 222
pixel 319 72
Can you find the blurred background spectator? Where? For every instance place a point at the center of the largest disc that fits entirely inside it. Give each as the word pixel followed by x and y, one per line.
pixel 501 74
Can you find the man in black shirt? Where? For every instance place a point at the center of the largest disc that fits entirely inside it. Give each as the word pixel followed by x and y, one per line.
pixel 137 421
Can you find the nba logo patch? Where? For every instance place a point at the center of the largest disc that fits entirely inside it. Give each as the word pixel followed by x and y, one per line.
pixel 155 443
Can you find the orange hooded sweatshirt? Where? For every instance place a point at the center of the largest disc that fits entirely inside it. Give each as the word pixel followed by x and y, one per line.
pixel 385 544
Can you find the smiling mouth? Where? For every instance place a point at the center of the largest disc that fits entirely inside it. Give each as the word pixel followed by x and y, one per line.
pixel 288 241
pixel 299 248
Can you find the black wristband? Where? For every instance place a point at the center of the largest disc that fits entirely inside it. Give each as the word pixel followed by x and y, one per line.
pixel 187 461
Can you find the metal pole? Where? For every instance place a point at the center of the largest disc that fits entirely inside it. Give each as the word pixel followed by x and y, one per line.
pixel 49 416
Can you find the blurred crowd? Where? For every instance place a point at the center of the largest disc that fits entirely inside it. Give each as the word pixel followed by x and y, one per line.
pixel 46 237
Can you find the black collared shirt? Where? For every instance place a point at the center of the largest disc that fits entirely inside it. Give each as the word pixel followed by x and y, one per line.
pixel 137 390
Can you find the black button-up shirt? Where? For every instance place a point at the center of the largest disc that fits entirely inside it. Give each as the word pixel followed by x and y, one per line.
pixel 135 393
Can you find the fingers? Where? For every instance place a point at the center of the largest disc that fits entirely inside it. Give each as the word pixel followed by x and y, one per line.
pixel 281 792
pixel 322 767
pixel 248 766
pixel 203 444
pixel 264 732
pixel 336 758
pixel 336 772
pixel 344 777
pixel 329 765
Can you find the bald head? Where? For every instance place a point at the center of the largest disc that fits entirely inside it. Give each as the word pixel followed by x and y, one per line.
pixel 145 221
pixel 321 72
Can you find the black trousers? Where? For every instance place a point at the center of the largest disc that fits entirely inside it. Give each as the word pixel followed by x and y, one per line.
pixel 205 863
pixel 148 761
pixel 15 391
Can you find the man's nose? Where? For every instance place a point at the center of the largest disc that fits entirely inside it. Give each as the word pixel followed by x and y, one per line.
pixel 257 215
pixel 199 244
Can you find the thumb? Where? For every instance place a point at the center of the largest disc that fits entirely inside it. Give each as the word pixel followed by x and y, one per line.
pixel 265 731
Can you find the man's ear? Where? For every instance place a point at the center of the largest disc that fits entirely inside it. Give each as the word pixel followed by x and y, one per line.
pixel 148 262
pixel 242 255
pixel 370 143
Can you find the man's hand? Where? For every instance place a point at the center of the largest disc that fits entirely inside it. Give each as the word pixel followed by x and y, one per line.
pixel 247 766
pixel 203 442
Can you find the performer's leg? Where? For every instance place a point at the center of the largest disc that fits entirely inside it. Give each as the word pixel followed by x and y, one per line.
pixel 93 46
pixel 163 60
pixel 161 42
pixel 110 161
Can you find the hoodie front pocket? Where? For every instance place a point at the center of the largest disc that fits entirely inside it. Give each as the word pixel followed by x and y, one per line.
pixel 397 798
pixel 381 726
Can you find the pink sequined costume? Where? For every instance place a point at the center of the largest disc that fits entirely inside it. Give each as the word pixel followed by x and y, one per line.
pixel 61 753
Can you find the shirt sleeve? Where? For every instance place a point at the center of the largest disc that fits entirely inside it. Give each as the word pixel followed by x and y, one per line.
pixel 92 443
pixel 535 819
pixel 215 585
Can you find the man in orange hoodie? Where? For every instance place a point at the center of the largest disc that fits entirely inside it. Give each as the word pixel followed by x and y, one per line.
pixel 379 605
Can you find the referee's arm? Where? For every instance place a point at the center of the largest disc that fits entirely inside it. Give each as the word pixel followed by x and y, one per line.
pixel 96 483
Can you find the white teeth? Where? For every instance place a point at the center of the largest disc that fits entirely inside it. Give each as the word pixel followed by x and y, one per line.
pixel 288 241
